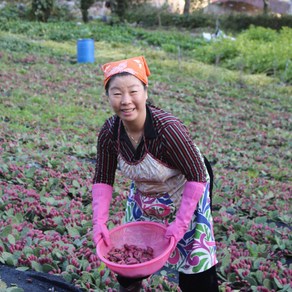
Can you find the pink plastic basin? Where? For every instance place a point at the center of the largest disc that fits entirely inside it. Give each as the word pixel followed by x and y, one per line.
pixel 141 234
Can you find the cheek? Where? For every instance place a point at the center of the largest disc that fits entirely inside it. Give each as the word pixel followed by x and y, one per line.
pixel 112 102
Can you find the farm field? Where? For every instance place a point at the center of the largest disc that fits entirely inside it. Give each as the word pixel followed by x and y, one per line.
pixel 51 110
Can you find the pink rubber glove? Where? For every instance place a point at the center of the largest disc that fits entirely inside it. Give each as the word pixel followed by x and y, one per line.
pixel 192 193
pixel 101 198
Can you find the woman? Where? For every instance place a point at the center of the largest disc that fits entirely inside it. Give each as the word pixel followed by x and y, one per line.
pixel 170 181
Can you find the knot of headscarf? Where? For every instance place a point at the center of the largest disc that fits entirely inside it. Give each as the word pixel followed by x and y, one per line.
pixel 136 66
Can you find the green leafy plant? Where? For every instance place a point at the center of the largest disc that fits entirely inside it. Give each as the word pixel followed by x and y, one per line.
pixel 12 11
pixel 257 50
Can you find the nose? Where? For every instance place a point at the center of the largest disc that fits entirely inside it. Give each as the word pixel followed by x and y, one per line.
pixel 126 99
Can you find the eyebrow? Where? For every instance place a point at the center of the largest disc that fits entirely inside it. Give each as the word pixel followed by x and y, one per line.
pixel 118 88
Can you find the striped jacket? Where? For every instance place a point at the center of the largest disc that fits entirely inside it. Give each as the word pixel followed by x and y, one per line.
pixel 166 138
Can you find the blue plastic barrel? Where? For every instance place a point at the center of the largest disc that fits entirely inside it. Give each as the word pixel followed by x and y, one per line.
pixel 85 51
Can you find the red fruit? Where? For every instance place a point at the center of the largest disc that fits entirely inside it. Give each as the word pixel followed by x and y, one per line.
pixel 107 281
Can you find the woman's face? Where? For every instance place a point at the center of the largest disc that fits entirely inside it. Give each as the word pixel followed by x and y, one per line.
pixel 127 96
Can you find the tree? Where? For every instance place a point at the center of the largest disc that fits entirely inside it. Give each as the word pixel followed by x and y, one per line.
pixel 266 6
pixel 120 8
pixel 41 9
pixel 187 7
pixel 84 6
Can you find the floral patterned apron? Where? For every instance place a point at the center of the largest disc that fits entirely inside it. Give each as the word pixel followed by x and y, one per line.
pixel 155 195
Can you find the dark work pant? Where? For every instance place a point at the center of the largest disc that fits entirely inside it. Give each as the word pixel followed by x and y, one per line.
pixel 127 282
pixel 201 282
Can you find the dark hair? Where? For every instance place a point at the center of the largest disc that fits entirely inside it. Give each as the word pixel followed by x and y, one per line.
pixel 119 75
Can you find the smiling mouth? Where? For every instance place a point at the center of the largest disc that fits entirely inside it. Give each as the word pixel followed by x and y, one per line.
pixel 127 110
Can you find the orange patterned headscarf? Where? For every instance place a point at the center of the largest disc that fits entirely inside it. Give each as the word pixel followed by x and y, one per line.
pixel 136 66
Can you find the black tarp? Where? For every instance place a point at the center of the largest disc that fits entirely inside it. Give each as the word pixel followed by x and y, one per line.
pixel 31 281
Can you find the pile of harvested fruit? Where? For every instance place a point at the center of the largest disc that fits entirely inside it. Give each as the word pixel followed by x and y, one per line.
pixel 130 254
